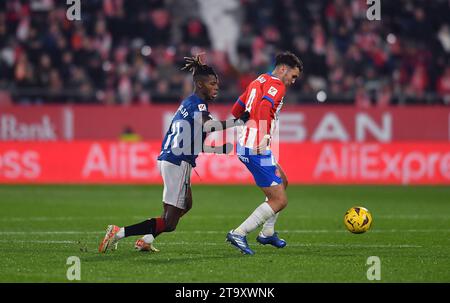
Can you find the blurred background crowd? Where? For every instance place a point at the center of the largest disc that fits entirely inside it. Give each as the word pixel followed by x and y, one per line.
pixel 130 52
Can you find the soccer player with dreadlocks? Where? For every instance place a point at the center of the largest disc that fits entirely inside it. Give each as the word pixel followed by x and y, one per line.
pixel 180 148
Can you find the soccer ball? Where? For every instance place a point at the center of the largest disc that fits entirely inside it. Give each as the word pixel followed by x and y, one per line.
pixel 358 220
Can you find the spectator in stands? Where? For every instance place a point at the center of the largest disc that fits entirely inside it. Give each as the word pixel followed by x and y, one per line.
pixel 123 50
pixel 443 86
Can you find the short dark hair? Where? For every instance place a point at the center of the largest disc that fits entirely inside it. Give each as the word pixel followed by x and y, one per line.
pixel 197 68
pixel 289 59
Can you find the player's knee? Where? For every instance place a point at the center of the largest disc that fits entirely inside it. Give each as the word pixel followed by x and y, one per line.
pixel 280 202
pixel 283 202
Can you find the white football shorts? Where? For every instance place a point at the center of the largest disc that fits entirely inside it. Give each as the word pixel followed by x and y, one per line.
pixel 177 180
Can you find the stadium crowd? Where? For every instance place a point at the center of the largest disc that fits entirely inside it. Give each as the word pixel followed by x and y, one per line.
pixel 130 52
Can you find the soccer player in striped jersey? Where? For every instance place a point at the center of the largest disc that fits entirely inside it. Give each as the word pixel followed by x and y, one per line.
pixel 180 148
pixel 263 99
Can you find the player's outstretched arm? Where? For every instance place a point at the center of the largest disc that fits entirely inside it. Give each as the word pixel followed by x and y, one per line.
pixel 211 125
pixel 221 149
pixel 238 108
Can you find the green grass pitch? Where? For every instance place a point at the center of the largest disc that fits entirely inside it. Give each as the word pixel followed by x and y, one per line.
pixel 41 226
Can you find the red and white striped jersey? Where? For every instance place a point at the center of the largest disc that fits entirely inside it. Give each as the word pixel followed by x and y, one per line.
pixel 263 99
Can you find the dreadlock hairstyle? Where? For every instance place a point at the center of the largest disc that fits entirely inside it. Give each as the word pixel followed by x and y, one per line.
pixel 289 59
pixel 197 68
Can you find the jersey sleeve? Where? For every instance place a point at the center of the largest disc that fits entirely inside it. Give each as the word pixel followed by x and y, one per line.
pixel 200 113
pixel 273 92
pixel 265 114
pixel 239 106
pixel 201 107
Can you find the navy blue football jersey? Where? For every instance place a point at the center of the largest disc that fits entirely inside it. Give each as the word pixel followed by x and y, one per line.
pixel 184 139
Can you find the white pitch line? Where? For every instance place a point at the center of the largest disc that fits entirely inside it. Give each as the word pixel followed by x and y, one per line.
pixel 308 245
pixel 371 231
pixel 222 244
pixel 41 242
pixel 68 232
pixel 304 244
pixel 43 219
pixel 299 231
pixel 197 217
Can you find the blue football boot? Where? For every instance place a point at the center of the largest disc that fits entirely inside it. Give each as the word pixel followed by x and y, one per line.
pixel 240 242
pixel 272 240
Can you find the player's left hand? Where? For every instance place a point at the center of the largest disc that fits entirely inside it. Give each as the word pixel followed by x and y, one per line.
pixel 227 148
pixel 245 116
